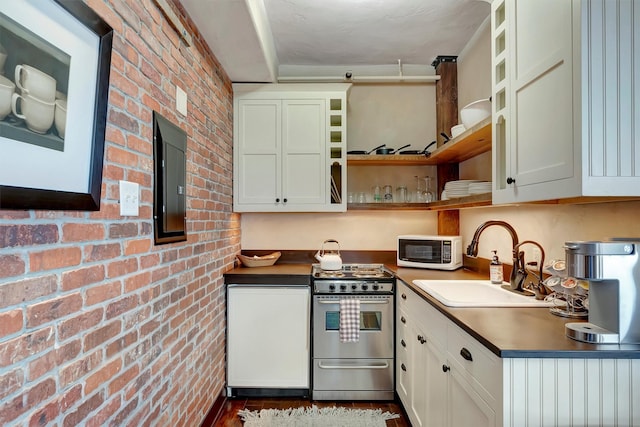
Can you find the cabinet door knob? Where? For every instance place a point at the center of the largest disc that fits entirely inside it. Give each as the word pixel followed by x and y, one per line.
pixel 284 200
pixel 278 200
pixel 466 354
pixel 510 180
pixel 404 296
pixel 403 320
pixel 421 339
pixel 402 343
pixel 445 368
pixel 404 368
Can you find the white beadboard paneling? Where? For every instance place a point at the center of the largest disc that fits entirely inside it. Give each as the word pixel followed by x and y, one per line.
pixel 571 392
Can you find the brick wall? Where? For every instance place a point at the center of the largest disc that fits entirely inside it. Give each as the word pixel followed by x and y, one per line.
pixel 97 325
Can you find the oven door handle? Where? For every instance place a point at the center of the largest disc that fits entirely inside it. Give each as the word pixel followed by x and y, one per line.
pixel 384 365
pixel 382 301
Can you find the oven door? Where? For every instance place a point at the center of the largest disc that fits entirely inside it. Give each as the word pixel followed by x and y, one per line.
pixel 376 328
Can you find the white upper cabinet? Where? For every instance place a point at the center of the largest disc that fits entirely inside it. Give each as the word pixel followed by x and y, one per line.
pixel 289 148
pixel 565 99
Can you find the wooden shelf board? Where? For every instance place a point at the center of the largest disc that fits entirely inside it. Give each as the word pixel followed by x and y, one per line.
pixel 388 159
pixel 457 203
pixel 470 143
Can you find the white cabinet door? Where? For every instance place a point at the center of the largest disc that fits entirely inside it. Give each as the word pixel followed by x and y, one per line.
pixel 465 406
pixel 304 152
pixel 259 159
pixel 268 336
pixel 565 90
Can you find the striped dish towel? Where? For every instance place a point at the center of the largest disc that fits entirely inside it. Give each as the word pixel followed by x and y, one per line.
pixel 349 320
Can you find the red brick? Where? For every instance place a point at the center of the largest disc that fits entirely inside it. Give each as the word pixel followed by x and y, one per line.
pixel 10 322
pixel 41 391
pixel 52 359
pixel 122 380
pixel 127 123
pixel 107 410
pixel 136 282
pixel 123 229
pixel 45 414
pixel 78 368
pixel 102 335
pixel 102 375
pixel 89 405
pixel 70 397
pixel 50 310
pixel 28 235
pixel 102 252
pixel 73 232
pixel 73 279
pixel 55 258
pixel 134 247
pixel 120 344
pixel 101 293
pixel 121 306
pixel 17 349
pixel 11 265
pixel 10 382
pixel 85 320
pixel 11 410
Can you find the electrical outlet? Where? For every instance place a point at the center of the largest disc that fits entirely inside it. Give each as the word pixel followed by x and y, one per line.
pixel 129 199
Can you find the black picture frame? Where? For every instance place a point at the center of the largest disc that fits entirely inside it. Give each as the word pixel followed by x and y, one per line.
pixel 24 197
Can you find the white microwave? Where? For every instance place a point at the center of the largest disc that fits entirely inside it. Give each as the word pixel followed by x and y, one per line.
pixel 434 252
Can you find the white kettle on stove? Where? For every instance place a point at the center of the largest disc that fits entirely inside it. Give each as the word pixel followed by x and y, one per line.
pixel 329 260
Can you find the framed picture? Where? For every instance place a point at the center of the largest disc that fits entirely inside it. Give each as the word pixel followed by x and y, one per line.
pixel 55 58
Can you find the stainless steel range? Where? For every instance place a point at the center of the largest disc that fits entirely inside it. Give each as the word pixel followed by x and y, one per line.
pixel 361 370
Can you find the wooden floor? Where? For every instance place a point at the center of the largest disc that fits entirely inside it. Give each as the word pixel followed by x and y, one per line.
pixel 229 417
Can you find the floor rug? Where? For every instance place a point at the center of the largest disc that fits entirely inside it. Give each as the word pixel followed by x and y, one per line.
pixel 316 417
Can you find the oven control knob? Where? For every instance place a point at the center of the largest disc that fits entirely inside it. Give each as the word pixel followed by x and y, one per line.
pixel 332 287
pixel 343 287
pixel 376 287
pixel 365 287
pixel 353 287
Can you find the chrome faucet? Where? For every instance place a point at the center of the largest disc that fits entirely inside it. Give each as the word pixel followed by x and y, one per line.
pixel 472 250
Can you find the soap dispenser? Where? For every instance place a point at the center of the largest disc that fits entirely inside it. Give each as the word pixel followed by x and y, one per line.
pixel 496 273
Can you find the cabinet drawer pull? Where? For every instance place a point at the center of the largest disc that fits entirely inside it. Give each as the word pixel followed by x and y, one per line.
pixel 422 339
pixel 404 296
pixel 402 343
pixel 510 180
pixel 403 320
pixel 404 368
pixel 445 368
pixel 466 354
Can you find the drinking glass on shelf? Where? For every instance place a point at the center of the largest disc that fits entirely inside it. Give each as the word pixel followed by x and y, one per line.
pixel 428 195
pixel 419 192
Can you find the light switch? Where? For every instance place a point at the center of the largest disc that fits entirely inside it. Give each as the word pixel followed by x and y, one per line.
pixel 129 198
pixel 181 101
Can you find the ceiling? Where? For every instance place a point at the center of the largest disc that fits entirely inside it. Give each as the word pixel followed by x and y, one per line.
pixel 270 40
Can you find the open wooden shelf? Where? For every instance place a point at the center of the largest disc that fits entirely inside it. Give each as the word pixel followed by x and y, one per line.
pixel 457 203
pixel 470 143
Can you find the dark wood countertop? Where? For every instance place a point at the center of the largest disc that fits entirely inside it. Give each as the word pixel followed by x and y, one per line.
pixel 513 332
pixel 507 332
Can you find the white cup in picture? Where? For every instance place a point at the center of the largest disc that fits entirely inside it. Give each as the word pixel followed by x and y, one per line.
pixel 36 113
pixel 7 88
pixel 34 82
pixel 60 116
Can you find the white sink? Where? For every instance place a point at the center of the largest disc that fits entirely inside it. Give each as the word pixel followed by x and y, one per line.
pixel 476 293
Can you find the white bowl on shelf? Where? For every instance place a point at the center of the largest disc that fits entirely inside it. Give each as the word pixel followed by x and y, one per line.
pixel 457 130
pixel 475 112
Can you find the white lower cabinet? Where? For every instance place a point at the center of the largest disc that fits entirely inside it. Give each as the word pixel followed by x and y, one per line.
pixel 268 337
pixel 434 387
pixel 451 379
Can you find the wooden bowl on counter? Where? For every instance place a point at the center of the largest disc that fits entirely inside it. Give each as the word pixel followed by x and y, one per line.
pixel 259 261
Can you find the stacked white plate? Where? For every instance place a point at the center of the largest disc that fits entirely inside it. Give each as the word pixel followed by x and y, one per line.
pixel 458 188
pixel 480 187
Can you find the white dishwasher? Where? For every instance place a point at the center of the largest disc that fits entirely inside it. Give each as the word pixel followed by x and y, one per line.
pixel 268 340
